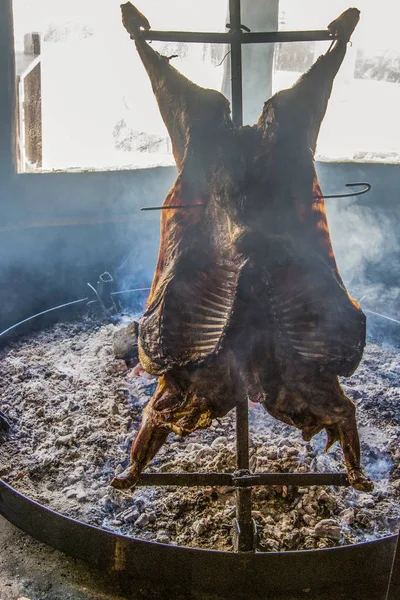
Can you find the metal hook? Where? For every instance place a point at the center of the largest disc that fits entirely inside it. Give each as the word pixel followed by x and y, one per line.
pixel 364 191
pixel 242 27
pixel 184 206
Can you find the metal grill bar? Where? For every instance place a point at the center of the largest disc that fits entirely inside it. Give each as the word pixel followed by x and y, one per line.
pixel 236 62
pixel 242 480
pixel 269 37
pixel 244 528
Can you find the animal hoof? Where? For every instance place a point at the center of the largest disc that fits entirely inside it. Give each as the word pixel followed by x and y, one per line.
pixel 359 481
pixel 125 480
pixel 133 20
pixel 4 423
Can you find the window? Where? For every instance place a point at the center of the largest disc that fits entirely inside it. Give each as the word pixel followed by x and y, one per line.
pixel 85 101
pixel 361 121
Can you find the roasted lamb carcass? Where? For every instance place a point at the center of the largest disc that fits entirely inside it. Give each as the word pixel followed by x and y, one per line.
pixel 246 300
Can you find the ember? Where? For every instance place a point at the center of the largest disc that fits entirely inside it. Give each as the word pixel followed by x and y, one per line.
pixel 74 410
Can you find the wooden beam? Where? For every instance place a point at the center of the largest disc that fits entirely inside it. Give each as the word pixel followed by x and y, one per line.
pixel 7 93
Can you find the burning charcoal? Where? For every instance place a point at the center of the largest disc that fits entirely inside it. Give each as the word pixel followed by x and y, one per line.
pixel 246 287
pixel 327 500
pixel 81 495
pixel 271 545
pixel 347 516
pixel 309 520
pixel 140 503
pixel 4 424
pixel 142 521
pixel 328 528
pixel 396 485
pixel 364 517
pixel 295 517
pixel 291 540
pixel 200 526
pixel 162 537
pixel 367 502
pixel 117 368
pixel 204 452
pixel 130 515
pixel 125 342
pixel 218 442
pixel 114 407
pixel 65 440
pixel 107 503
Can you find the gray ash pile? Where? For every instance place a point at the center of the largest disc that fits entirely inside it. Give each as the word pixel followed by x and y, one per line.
pixel 74 410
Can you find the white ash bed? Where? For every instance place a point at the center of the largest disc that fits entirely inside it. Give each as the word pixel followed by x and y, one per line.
pixel 75 409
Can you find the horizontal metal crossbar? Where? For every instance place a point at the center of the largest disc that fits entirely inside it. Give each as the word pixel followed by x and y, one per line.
pixel 242 480
pixel 267 37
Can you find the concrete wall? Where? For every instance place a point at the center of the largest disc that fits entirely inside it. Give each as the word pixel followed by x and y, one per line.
pixel 61 231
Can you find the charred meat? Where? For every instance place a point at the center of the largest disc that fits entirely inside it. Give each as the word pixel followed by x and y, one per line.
pixel 247 299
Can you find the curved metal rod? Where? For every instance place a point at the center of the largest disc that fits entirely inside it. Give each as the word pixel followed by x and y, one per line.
pixel 147 289
pixel 201 571
pixel 98 299
pixel 144 208
pixel 80 301
pixel 44 312
pixel 185 206
pixel 359 193
pixel 371 312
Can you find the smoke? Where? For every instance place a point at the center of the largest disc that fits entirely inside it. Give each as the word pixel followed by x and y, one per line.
pixel 367 250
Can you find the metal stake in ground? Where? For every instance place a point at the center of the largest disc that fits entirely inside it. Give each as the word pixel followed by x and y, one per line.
pixel 244 526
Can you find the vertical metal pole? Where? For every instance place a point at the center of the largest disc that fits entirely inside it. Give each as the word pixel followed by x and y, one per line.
pixel 244 527
pixel 236 63
pixel 394 582
pixel 244 534
pixel 242 436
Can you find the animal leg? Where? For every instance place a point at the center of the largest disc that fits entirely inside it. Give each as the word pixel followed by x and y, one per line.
pixel 149 439
pixel 153 432
pixel 184 106
pixel 303 106
pixel 345 431
pixel 339 419
pixel 313 405
pixel 335 412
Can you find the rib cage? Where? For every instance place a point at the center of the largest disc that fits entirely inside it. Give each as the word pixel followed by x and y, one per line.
pixel 315 317
pixel 193 314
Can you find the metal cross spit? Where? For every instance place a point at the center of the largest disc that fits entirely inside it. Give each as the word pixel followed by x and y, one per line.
pixel 245 533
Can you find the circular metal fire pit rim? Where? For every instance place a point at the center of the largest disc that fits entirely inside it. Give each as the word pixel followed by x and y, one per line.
pixel 341 572
pixel 33 506
pixel 344 569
